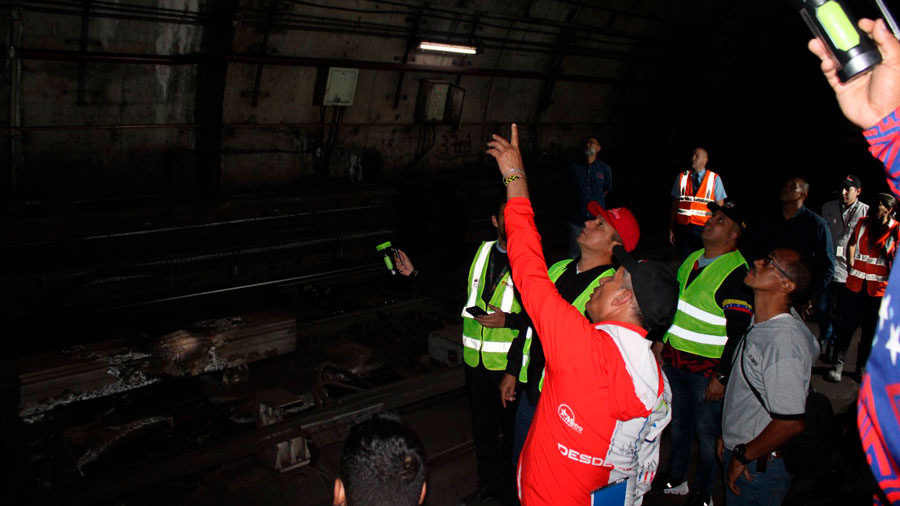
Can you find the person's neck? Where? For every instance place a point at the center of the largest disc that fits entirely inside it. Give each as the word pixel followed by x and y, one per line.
pixel 592 158
pixel 791 208
pixel 501 243
pixel 848 204
pixel 717 250
pixel 766 308
pixel 885 219
pixel 590 259
pixel 699 170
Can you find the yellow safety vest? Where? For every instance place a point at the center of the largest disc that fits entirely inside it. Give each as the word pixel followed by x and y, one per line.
pixel 488 346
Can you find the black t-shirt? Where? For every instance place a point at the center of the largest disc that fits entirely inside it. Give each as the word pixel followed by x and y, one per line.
pixel 570 285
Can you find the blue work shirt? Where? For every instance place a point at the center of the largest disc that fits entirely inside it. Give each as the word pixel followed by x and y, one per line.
pixel 587 183
pixel 806 232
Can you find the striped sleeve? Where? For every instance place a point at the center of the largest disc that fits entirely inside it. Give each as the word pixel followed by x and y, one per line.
pixel 884 144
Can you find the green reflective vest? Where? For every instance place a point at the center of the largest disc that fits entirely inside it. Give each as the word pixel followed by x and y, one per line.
pixel 555 272
pixel 489 346
pixel 699 324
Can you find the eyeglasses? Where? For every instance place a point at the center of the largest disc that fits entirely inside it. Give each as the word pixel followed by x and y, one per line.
pixel 771 261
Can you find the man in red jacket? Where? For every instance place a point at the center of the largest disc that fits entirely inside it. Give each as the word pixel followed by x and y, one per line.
pixel 605 400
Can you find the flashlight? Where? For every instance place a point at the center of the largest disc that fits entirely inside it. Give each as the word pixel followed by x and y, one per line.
pixel 388 251
pixel 851 50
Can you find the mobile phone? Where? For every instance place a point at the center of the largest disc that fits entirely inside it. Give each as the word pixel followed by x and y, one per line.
pixel 476 311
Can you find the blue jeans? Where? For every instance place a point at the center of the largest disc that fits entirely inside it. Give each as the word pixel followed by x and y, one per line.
pixel 826 302
pixel 692 415
pixel 524 414
pixel 766 489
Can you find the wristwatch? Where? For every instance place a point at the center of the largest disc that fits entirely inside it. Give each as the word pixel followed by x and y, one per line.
pixel 721 378
pixel 740 452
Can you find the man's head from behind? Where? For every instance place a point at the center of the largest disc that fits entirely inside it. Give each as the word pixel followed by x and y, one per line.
pixel 643 293
pixel 608 228
pixel 499 223
pixel 382 464
pixel 784 273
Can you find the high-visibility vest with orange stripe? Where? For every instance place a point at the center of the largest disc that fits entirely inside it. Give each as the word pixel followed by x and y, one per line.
pixel 872 266
pixel 692 208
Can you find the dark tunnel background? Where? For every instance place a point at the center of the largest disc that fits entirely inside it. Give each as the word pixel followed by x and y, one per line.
pixel 170 171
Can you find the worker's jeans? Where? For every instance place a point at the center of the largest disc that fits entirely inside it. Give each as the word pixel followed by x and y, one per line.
pixel 765 489
pixel 692 415
pixel 524 415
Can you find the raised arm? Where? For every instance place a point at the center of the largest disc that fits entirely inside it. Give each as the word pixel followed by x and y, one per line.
pixel 868 98
pixel 551 315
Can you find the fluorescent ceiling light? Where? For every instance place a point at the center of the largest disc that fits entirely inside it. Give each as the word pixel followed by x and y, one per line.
pixel 449 48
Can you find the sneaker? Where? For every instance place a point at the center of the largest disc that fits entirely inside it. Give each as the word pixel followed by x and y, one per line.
pixel 698 498
pixel 834 375
pixel 663 484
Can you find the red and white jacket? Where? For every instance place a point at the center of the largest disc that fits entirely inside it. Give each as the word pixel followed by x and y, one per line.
pixel 872 266
pixel 605 400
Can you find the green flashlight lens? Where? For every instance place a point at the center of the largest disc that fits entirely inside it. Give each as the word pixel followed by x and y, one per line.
pixel 838 26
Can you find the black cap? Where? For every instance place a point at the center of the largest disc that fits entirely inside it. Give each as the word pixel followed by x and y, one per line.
pixel 732 210
pixel 851 180
pixel 655 288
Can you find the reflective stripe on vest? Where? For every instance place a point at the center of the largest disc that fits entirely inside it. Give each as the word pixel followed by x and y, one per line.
pixel 692 208
pixel 699 326
pixel 484 345
pixel 554 273
pixel 874 270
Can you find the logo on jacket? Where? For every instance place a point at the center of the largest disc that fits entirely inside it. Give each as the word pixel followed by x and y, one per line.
pixel 568 417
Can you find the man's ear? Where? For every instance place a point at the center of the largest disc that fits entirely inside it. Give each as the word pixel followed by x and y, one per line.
pixel 340 497
pixel 786 286
pixel 422 497
pixel 494 221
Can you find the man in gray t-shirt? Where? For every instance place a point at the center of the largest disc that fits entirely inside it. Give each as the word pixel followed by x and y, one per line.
pixel 776 359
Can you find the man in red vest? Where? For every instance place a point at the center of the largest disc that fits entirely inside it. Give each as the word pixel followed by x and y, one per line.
pixel 870 255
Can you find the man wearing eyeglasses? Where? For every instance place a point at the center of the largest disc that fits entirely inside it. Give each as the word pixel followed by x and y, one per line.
pixel 765 398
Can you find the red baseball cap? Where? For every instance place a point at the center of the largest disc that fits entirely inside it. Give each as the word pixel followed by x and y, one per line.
pixel 622 221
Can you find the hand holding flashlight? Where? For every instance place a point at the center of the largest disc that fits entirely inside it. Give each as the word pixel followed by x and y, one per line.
pixel 869 97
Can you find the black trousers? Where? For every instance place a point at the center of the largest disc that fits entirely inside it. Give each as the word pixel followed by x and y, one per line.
pixel 859 310
pixel 492 429
pixel 688 240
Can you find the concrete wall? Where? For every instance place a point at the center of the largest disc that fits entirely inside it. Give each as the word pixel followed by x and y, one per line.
pixel 653 63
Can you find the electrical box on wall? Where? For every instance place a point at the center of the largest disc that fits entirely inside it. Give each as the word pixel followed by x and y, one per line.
pixel 335 86
pixel 440 102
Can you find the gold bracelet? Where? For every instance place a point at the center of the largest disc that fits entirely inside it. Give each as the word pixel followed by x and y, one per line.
pixel 512 178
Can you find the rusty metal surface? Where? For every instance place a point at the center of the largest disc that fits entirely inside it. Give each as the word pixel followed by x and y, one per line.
pixel 322 427
pixel 110 367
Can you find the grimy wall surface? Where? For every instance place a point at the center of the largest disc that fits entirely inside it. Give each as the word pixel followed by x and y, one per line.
pixel 182 98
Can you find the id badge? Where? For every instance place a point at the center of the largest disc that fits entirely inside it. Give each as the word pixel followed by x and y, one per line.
pixel 840 252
